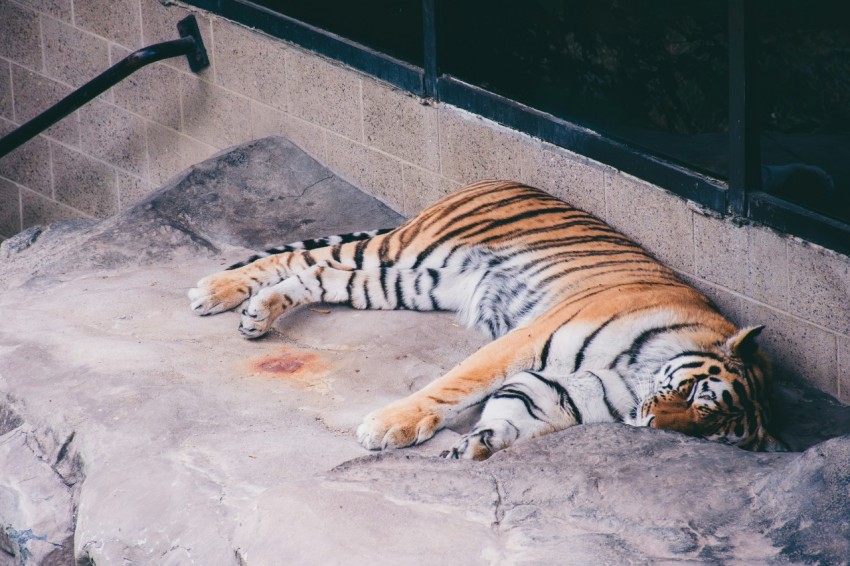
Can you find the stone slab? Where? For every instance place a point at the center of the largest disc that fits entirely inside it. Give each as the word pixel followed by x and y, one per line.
pixel 177 442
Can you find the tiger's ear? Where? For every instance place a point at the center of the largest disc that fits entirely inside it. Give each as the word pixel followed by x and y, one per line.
pixel 743 344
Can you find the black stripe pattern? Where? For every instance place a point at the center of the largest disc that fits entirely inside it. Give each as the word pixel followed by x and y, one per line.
pixel 312 244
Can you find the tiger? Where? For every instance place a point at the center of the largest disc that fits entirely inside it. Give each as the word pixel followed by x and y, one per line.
pixel 586 325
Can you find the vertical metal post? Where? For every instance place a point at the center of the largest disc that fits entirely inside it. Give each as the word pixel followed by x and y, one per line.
pixel 429 31
pixel 744 132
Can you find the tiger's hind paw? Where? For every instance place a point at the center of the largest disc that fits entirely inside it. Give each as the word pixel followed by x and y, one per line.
pixel 218 293
pixel 261 312
pixel 253 325
pixel 487 438
pixel 473 446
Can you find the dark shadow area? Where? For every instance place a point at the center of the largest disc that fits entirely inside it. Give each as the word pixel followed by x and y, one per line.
pixel 804 416
pixel 654 74
pixel 804 100
pixel 393 27
pixel 650 73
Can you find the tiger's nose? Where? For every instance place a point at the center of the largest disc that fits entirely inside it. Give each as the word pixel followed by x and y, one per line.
pixel 674 413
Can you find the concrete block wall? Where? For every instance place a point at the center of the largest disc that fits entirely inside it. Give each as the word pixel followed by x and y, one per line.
pixel 406 151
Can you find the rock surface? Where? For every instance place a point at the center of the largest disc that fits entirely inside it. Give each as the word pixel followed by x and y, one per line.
pixel 132 431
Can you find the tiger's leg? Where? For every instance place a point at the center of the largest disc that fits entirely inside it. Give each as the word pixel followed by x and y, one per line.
pixel 386 288
pixel 527 405
pixel 226 290
pixel 418 417
pixel 530 404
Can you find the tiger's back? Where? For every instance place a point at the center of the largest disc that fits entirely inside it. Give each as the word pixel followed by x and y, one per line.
pixel 535 252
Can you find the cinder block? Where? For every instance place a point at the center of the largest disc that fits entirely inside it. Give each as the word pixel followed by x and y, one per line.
pixel 250 63
pixel 38 209
pixel 6 90
pixel 20 36
pixel 767 274
pixel 192 151
pixel 423 188
pixel 266 121
pixel 166 159
pixel 401 124
pixel 83 183
pixel 819 284
pixel 654 218
pixel 159 23
pixel 114 135
pixel 118 20
pixel 472 149
pixel 29 164
pixel 844 369
pixel 10 208
pixel 59 9
pixel 213 115
pixel 34 94
pixel 566 175
pixel 72 55
pixel 153 92
pixel 310 138
pixel 729 303
pixel 720 252
pixel 376 173
pixel 799 350
pixel 131 189
pixel 324 94
pixel 170 153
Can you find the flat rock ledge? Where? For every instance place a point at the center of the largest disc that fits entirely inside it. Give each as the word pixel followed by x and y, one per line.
pixel 132 431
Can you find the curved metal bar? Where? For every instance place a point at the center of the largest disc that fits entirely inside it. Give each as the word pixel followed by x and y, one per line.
pixel 190 45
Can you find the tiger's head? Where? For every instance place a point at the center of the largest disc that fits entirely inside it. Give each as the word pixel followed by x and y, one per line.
pixel 719 394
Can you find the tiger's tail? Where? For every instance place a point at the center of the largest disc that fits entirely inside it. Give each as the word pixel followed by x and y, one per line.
pixel 313 244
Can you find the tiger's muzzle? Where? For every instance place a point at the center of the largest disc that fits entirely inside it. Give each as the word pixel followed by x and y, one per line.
pixel 671 411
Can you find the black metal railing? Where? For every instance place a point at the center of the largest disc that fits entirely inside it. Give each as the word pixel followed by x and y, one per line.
pixel 190 45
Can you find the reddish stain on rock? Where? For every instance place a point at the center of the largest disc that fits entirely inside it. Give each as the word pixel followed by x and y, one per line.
pixel 301 367
pixel 281 365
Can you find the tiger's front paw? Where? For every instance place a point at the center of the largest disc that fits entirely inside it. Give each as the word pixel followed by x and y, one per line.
pixel 398 425
pixel 219 292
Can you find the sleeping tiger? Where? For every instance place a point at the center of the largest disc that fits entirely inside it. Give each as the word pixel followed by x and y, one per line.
pixel 588 327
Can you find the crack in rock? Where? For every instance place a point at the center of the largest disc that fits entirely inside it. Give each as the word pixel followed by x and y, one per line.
pixel 498 511
pixel 46 509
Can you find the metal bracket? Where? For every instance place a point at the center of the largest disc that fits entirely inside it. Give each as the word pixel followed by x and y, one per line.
pixel 188 27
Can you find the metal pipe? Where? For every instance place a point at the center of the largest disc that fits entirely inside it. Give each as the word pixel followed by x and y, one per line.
pixel 190 44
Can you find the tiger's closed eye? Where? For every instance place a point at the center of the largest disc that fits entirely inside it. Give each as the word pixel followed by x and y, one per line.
pixel 705 392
